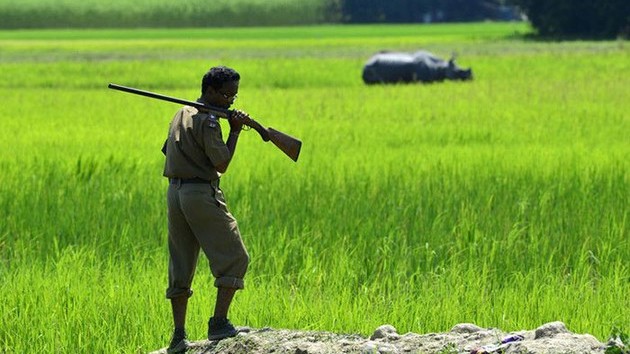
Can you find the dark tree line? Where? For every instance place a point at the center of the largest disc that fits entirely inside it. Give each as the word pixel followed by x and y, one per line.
pixel 578 18
pixel 413 11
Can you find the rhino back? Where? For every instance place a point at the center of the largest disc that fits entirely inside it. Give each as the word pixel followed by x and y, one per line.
pixel 428 57
pixel 389 67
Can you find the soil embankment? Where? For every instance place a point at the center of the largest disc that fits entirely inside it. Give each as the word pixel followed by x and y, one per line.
pixel 463 338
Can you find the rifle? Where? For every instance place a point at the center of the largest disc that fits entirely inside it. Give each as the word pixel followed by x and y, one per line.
pixel 288 144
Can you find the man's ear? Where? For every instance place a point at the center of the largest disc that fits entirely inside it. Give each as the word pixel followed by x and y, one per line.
pixel 209 91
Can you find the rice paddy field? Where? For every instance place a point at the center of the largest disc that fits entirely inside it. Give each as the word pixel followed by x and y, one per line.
pixel 502 201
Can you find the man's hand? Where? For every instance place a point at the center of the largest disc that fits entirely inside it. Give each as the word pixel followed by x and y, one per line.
pixel 238 119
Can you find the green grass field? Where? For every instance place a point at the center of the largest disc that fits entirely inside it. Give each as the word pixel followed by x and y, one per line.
pixel 502 201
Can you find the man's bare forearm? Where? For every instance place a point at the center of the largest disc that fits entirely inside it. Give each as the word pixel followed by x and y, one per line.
pixel 231 145
pixel 231 142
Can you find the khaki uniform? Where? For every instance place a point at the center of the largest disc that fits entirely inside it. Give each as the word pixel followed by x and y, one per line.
pixel 198 217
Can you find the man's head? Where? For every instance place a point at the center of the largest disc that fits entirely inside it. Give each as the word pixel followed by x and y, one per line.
pixel 219 86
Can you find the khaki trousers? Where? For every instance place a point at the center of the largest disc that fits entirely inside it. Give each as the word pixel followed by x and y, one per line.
pixel 198 218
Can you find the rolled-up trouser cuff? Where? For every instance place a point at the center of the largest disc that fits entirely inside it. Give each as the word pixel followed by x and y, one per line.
pixel 172 293
pixel 229 282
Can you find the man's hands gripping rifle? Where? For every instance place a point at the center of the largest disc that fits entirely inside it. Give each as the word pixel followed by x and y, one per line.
pixel 288 144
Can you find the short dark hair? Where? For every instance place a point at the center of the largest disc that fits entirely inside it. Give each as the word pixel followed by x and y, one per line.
pixel 217 76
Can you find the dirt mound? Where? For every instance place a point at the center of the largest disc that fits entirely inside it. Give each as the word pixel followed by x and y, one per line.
pixel 463 338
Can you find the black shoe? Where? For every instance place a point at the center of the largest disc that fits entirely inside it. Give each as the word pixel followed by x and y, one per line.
pixel 179 343
pixel 219 328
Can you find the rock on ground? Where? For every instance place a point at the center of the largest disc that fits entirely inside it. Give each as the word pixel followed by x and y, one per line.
pixel 552 337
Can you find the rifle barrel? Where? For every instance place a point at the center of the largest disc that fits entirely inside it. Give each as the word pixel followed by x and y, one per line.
pixel 221 112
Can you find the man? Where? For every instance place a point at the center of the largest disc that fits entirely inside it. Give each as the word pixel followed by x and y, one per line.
pixel 198 218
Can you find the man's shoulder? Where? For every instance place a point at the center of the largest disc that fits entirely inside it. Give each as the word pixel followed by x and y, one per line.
pixel 185 113
pixel 194 118
pixel 188 110
pixel 204 118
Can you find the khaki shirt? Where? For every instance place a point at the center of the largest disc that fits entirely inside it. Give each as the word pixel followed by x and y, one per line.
pixel 194 144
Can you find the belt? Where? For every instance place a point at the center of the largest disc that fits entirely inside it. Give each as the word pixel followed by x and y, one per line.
pixel 192 180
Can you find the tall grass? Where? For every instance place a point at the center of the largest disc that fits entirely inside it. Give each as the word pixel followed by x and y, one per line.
pixel 146 13
pixel 501 201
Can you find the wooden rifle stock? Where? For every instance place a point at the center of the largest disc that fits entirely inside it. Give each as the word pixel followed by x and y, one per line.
pixel 286 143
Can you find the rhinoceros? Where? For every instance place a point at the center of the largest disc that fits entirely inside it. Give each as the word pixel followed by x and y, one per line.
pixel 422 66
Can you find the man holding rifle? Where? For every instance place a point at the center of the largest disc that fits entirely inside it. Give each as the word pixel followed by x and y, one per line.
pixel 198 218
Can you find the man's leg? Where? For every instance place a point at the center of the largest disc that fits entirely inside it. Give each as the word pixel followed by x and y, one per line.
pixel 183 253
pixel 219 326
pixel 224 299
pixel 179 343
pixel 179 306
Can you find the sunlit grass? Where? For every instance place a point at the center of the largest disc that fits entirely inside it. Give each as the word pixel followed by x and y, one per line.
pixel 501 201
